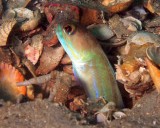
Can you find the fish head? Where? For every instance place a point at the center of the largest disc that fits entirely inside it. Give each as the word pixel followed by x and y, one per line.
pixel 76 40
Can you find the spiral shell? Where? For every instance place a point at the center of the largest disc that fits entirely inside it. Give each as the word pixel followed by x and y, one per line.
pixel 5 30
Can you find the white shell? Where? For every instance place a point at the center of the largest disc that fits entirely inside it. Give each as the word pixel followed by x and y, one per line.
pixel 142 37
pixel 29 19
pixel 18 13
pixel 132 23
pixel 101 118
pixel 119 115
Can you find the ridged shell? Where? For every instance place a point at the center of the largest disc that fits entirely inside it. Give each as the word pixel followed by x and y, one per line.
pixel 5 30
pixel 9 76
pixel 153 53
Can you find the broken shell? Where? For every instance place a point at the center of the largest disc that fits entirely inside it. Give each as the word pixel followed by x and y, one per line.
pixel 117 26
pixel 132 73
pixel 153 6
pixel 90 16
pixel 138 12
pixel 28 19
pixel 132 23
pixel 9 76
pixel 37 42
pixel 18 13
pixel 16 3
pixel 153 53
pixel 34 50
pixel 155 22
pixel 155 73
pixel 119 115
pixel 153 25
pixel 50 59
pixel 5 30
pixel 120 74
pixel 115 6
pixel 134 51
pixel 32 54
pixel 101 31
pixel 101 118
pixel 68 11
pixel 130 66
pixel 29 66
pixel 141 38
pixel 32 23
pixel 50 37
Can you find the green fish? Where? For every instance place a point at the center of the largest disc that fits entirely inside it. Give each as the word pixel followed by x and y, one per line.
pixel 91 66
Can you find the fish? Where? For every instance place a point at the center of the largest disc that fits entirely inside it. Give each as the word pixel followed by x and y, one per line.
pixel 91 66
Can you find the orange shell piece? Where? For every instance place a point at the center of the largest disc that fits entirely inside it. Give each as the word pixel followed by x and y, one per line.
pixel 11 75
pixel 147 4
pixel 130 66
pixel 90 16
pixel 113 6
pixel 154 72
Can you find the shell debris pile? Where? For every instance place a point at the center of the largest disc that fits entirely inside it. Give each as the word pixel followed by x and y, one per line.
pixel 31 54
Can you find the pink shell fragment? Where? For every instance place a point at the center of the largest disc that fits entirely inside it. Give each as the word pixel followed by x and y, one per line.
pixel 32 54
pixel 50 59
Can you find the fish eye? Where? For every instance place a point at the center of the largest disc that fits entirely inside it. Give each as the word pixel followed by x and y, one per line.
pixel 69 29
